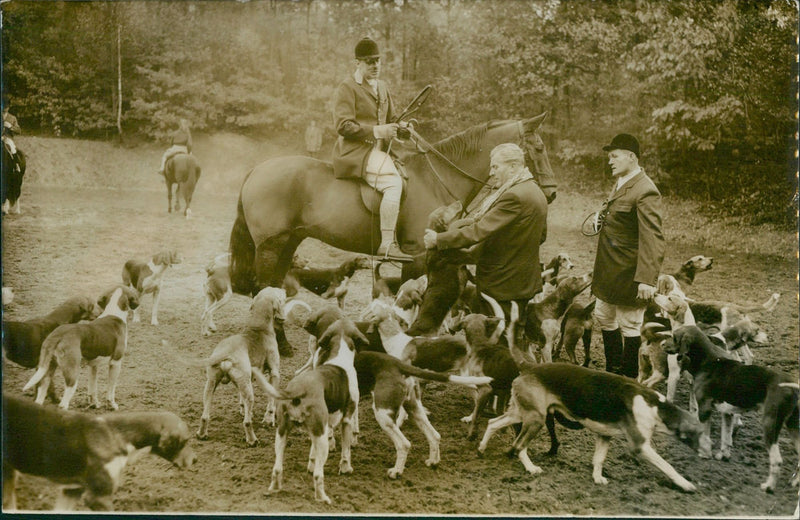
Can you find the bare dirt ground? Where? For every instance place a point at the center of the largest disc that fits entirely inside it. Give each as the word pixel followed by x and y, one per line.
pixel 69 241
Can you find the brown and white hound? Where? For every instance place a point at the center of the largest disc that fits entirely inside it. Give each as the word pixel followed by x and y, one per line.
pixel 147 277
pixel 728 386
pixel 67 345
pixel 22 340
pixel 84 453
pixel 542 317
pixel 318 400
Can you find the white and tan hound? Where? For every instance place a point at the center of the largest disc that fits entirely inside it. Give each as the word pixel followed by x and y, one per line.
pixel 238 358
pixel 217 291
pixel 147 277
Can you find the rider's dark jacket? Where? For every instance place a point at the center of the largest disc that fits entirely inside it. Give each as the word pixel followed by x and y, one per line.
pixel 356 109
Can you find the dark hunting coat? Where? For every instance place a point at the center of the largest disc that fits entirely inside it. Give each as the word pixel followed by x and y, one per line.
pixel 356 110
pixel 630 248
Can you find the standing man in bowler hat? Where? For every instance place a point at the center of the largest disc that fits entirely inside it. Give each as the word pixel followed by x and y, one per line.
pixel 630 251
pixel 362 113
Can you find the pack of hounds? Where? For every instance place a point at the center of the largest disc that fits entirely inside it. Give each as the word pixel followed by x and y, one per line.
pixel 417 330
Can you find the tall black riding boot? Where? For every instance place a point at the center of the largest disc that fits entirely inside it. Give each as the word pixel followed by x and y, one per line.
pixel 630 356
pixel 612 345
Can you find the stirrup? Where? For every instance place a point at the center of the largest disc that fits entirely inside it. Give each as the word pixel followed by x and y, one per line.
pixel 393 253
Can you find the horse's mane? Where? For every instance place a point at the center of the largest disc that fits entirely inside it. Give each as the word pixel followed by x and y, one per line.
pixel 463 143
pixel 467 142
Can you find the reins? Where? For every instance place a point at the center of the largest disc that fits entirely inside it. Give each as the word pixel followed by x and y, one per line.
pixel 427 147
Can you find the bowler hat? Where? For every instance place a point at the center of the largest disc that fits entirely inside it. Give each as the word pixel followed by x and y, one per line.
pixel 367 48
pixel 623 142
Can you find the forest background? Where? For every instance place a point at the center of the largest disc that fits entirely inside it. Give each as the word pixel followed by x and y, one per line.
pixel 710 88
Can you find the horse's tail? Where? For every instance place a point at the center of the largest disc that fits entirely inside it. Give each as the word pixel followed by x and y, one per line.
pixel 243 254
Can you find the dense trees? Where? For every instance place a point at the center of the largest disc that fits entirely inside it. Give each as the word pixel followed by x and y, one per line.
pixel 708 86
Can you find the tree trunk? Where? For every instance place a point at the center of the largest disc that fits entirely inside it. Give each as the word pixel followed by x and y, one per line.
pixel 119 80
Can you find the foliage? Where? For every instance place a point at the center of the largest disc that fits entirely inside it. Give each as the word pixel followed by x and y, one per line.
pixel 708 87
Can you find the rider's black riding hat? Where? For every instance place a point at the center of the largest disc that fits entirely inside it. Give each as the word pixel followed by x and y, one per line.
pixel 367 48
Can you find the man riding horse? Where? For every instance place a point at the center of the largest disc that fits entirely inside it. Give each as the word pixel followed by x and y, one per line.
pixel 181 143
pixel 11 127
pixel 362 113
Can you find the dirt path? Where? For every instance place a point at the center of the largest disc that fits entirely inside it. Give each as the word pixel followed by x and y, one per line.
pixel 71 241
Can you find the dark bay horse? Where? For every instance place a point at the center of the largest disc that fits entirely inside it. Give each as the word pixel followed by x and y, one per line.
pixel 287 199
pixel 183 170
pixel 12 180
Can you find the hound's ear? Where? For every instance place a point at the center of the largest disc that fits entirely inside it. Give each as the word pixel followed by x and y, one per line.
pixel 277 311
pixel 360 339
pixel 311 324
pixel 491 324
pixel 325 339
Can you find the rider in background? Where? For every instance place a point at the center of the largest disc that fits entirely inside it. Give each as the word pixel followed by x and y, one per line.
pixel 313 138
pixel 362 112
pixel 181 143
pixel 10 127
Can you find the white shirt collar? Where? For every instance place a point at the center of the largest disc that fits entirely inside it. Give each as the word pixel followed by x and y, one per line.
pixel 371 82
pixel 622 180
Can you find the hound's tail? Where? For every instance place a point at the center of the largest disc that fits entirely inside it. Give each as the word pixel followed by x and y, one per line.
pixel 271 390
pixel 521 358
pixel 213 359
pixel 45 357
pixel 431 375
pixel 498 312
pixel 291 304
pixel 767 306
pixel 243 254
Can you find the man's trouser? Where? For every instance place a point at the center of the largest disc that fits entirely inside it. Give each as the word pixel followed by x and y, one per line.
pixel 382 175
pixel 621 326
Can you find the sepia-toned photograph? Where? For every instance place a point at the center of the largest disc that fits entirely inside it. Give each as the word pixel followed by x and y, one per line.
pixel 417 258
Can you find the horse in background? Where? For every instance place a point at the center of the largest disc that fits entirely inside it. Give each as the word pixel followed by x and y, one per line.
pixel 183 170
pixel 287 199
pixel 12 181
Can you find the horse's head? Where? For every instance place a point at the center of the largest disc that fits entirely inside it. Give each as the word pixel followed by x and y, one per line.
pixel 536 155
